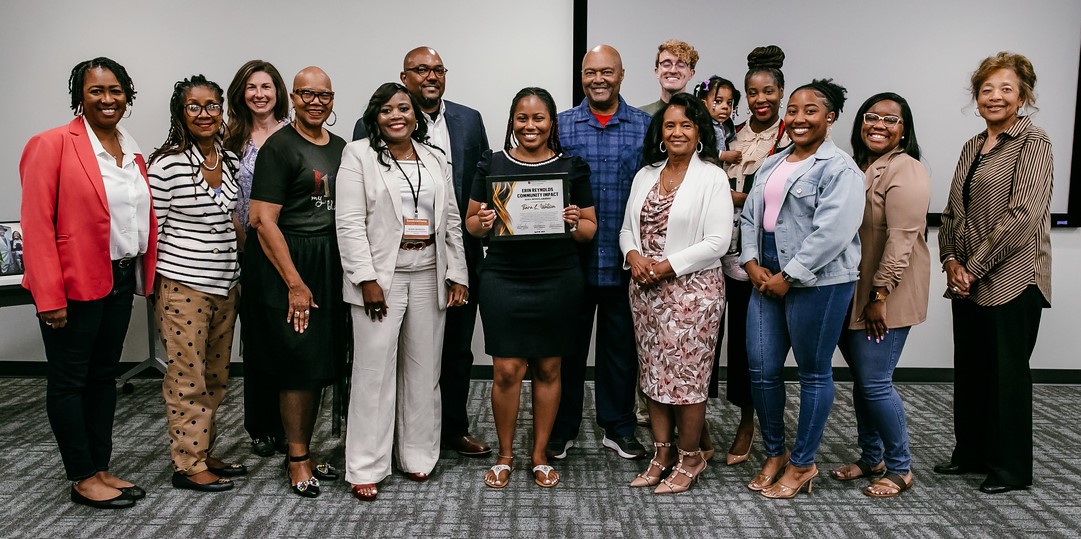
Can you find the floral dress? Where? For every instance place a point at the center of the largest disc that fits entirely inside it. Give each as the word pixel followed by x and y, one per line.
pixel 676 322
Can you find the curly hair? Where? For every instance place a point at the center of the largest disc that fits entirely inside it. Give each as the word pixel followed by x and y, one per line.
pixel 680 49
pixel 697 113
pixel 238 128
pixel 78 75
pixel 179 139
pixel 383 94
pixel 1017 63
pixel 549 103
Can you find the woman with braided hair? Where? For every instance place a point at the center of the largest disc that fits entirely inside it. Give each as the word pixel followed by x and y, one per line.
pixel 801 251
pixel 193 180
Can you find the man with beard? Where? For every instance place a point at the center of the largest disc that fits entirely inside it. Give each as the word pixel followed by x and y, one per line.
pixel 607 133
pixel 459 131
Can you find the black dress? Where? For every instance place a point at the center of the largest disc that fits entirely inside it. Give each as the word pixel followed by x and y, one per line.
pixel 298 175
pixel 529 289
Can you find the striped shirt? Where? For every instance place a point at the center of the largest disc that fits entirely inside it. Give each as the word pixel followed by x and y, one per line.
pixel 196 237
pixel 1003 236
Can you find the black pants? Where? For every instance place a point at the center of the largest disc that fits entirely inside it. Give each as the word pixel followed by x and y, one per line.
pixel 262 412
pixel 737 295
pixel 80 394
pixel 992 401
pixel 457 363
pixel 616 365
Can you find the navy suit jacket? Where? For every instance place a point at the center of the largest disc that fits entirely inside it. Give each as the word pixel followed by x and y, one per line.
pixel 468 141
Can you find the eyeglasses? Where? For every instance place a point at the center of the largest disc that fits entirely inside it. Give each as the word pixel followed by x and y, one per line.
pixel 195 109
pixel 668 64
pixel 424 70
pixel 871 118
pixel 307 96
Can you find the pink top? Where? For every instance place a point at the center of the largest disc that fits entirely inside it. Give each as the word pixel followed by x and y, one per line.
pixel 773 195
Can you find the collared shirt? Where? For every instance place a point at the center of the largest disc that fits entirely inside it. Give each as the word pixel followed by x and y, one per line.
pixel 438 132
pixel 1003 236
pixel 614 155
pixel 127 194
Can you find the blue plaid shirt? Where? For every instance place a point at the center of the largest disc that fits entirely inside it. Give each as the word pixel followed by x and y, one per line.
pixel 614 154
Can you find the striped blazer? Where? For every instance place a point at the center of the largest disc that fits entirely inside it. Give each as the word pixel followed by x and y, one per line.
pixel 196 237
pixel 1003 238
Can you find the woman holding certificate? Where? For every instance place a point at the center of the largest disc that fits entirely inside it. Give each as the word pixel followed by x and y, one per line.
pixel 676 227
pixel 530 283
pixel 400 236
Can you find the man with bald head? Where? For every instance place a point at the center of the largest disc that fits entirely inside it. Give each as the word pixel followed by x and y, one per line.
pixel 459 131
pixel 607 133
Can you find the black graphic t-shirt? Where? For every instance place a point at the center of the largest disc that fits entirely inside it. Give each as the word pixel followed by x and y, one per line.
pixel 298 175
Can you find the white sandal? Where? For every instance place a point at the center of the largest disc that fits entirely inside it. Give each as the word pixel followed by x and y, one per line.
pixel 498 469
pixel 547 471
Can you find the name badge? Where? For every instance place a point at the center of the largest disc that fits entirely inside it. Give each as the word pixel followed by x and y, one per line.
pixel 416 229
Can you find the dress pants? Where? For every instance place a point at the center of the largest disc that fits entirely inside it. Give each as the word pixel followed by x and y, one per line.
pixel 616 365
pixel 196 329
pixel 457 367
pixel 262 411
pixel 992 392
pixel 80 394
pixel 394 401
pixel 738 385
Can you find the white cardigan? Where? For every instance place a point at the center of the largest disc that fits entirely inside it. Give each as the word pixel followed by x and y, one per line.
pixel 368 210
pixel 699 222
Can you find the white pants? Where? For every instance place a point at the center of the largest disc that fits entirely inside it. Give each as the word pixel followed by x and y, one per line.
pixel 394 402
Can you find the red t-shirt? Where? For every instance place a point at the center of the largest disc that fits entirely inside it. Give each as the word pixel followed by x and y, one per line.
pixel 603 119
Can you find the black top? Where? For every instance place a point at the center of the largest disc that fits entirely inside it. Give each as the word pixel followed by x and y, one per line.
pixel 534 254
pixel 298 175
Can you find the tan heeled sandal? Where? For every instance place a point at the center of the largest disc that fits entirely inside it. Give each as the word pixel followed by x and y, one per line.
pixel 668 487
pixel 644 479
pixel 762 480
pixel 781 491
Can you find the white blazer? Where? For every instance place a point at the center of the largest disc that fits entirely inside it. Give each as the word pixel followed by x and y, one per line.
pixel 699 222
pixel 368 211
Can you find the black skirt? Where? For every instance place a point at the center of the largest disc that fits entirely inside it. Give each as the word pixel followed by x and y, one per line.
pixel 530 315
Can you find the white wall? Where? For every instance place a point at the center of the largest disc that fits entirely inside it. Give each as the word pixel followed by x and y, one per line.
pixel 361 46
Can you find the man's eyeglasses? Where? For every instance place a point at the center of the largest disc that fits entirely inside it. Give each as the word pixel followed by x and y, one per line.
pixel 195 109
pixel 307 96
pixel 668 64
pixel 424 70
pixel 871 118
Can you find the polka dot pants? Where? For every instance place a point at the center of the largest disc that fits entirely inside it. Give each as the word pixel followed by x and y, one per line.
pixel 197 331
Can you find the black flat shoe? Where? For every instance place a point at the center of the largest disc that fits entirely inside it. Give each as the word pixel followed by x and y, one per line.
pixel 264 447
pixel 123 501
pixel 229 470
pixel 133 492
pixel 182 481
pixel 950 468
pixel 993 485
pixel 326 472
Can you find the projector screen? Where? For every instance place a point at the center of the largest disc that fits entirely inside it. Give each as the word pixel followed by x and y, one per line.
pixel 924 50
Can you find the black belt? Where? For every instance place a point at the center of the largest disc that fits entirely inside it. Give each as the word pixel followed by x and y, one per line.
pixel 416 245
pixel 124 263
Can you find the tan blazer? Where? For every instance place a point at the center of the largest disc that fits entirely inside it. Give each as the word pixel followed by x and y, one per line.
pixel 893 238
pixel 368 210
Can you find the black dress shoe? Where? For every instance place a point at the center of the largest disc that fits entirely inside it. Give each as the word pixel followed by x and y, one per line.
pixel 229 470
pixel 122 501
pixel 133 492
pixel 325 472
pixel 264 447
pixel 994 485
pixel 182 481
pixel 950 468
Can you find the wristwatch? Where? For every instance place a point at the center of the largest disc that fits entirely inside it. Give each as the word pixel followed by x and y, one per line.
pixel 787 277
pixel 878 295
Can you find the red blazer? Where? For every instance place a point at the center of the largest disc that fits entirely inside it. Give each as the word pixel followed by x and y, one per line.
pixel 65 220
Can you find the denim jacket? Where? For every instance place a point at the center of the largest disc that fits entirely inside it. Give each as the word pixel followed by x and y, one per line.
pixel 818 225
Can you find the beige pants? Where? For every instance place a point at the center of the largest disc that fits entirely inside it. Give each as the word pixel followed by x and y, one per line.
pixel 197 331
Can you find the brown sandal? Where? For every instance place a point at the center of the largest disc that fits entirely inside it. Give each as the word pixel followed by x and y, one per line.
pixel 893 483
pixel 845 473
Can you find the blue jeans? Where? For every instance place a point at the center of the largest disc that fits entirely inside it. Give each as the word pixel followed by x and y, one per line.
pixel 880 414
pixel 808 321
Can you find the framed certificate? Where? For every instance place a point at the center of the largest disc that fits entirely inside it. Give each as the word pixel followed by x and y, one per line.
pixel 528 206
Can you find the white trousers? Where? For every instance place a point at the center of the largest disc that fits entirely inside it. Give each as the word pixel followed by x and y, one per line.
pixel 394 402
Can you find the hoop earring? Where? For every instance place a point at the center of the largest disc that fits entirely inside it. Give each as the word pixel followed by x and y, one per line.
pixel 79 109
pixel 664 149
pixel 416 126
pixel 977 113
pixel 128 115
pixel 1020 111
pixel 698 147
pixel 333 115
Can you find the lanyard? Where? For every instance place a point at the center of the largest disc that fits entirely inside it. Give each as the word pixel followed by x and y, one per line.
pixel 414 192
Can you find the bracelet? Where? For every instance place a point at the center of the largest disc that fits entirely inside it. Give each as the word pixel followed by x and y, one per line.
pixel 948 258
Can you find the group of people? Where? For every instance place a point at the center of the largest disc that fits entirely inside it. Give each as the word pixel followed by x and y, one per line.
pixel 675 220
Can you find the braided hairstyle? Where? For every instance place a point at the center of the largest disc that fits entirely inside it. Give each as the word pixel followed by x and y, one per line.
pixel 549 103
pixel 769 60
pixel 78 74
pixel 179 139
pixel 383 94
pixel 833 93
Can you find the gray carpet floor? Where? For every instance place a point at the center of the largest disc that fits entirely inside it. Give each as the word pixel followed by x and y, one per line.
pixel 590 501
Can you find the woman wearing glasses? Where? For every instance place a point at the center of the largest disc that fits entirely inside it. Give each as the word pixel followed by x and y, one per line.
pixel 891 294
pixel 292 270
pixel 193 180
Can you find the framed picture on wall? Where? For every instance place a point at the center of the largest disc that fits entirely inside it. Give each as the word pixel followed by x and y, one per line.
pixel 11 253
